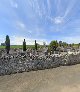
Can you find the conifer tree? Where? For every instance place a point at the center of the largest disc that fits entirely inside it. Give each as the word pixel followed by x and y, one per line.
pixel 7 43
pixel 24 45
pixel 35 45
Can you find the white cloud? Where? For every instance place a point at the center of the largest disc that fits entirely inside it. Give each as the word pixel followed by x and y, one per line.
pixel 14 4
pixel 55 29
pixel 20 25
pixel 37 8
pixel 49 6
pixel 39 32
pixel 58 20
pixel 58 6
pixel 69 8
pixel 71 39
pixel 2 39
pixel 30 3
pixel 36 32
pixel 18 40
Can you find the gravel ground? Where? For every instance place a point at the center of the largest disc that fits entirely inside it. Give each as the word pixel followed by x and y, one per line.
pixel 61 79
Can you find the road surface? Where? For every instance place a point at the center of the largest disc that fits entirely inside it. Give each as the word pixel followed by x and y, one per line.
pixel 61 79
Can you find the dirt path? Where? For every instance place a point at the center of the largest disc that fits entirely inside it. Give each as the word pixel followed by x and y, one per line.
pixel 61 79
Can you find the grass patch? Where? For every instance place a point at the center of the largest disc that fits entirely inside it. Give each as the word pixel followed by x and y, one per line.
pixel 20 46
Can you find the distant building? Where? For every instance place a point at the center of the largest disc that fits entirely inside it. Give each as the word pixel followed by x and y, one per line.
pixel 2 44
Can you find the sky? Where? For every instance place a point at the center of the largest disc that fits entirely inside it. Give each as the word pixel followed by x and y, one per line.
pixel 41 20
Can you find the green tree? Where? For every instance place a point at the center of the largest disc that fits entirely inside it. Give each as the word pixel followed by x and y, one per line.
pixel 44 44
pixel 35 45
pixel 7 43
pixel 64 44
pixel 60 43
pixel 70 45
pixel 53 45
pixel 24 45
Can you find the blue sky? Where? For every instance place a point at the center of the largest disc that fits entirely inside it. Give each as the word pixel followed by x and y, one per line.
pixel 43 20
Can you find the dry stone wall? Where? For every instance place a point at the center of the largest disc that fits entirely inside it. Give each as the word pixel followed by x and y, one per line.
pixel 23 62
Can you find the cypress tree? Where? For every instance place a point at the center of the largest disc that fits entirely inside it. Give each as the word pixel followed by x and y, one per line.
pixel 35 45
pixel 7 43
pixel 24 45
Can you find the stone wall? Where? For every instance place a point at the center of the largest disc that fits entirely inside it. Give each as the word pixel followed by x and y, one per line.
pixel 10 64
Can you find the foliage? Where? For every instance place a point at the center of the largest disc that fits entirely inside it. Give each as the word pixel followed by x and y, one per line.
pixel 35 45
pixel 7 43
pixel 64 44
pixel 60 43
pixel 24 45
pixel 53 45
